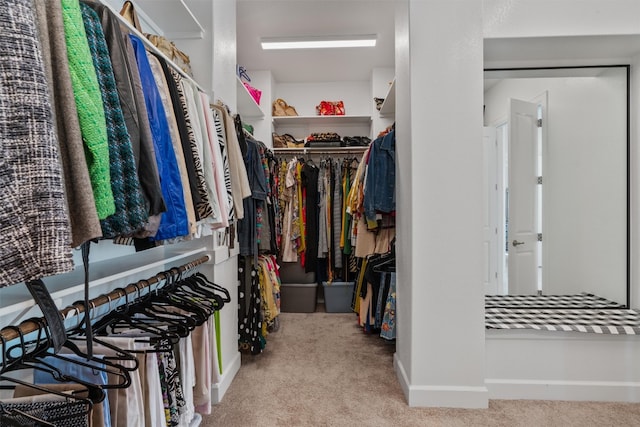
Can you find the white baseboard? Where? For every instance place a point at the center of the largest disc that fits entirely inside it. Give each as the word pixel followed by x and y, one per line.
pixel 401 373
pixel 218 390
pixel 440 396
pixel 602 391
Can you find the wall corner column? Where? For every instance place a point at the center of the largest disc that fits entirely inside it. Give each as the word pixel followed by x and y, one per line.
pixel 440 358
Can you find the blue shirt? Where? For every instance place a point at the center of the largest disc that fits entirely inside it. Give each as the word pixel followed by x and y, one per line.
pixel 174 221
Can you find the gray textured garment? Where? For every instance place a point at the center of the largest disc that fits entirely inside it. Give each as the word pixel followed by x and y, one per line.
pixel 35 235
pixel 323 231
pixel 81 204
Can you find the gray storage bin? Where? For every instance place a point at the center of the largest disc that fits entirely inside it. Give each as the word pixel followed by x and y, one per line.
pixel 298 297
pixel 337 296
pixel 293 272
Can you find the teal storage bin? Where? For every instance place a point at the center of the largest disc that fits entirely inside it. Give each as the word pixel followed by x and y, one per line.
pixel 337 296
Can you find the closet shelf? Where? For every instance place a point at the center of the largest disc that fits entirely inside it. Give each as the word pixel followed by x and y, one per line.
pixel 247 106
pixel 321 150
pixel 17 298
pixel 174 17
pixel 389 105
pixel 320 120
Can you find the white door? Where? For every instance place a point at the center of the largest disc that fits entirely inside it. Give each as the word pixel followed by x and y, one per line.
pixel 489 212
pixel 523 205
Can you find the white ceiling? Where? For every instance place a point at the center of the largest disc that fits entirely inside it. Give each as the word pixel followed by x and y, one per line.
pixel 287 18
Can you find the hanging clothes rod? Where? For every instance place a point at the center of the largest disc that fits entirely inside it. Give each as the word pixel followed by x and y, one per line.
pixel 28 326
pixel 320 150
pixel 151 46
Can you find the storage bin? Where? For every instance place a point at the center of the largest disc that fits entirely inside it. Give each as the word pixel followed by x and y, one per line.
pixel 298 297
pixel 337 296
pixel 293 272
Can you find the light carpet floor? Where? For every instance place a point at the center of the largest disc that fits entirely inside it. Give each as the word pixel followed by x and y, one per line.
pixel 320 369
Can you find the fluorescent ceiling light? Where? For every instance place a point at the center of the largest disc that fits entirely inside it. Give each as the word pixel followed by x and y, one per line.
pixel 318 42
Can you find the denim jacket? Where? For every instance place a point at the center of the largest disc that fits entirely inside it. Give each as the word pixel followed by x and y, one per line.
pixel 379 191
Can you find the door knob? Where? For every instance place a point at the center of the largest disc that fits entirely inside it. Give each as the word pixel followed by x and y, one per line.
pixel 516 243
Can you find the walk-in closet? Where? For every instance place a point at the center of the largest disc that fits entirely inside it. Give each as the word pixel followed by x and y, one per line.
pixel 196 210
pixel 181 229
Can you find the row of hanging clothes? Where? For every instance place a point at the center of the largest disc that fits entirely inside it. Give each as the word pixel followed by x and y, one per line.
pixel 153 355
pixel 374 296
pixel 324 212
pixel 258 273
pixel 374 209
pixel 334 212
pixel 123 144
pixel 338 219
pixel 311 198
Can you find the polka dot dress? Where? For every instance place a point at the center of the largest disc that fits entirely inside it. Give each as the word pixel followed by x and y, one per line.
pixel 250 338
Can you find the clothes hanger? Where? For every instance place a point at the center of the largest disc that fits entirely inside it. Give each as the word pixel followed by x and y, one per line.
pixel 153 306
pixel 195 294
pixel 196 288
pixel 215 286
pixel 26 360
pixel 99 364
pixel 127 359
pixel 161 304
pixel 162 309
pixel 386 265
pixel 121 322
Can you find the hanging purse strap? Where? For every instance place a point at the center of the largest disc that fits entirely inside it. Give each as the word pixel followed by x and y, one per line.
pixel 50 312
pixel 87 308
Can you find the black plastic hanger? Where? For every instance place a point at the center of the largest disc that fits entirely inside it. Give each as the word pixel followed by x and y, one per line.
pixel 122 319
pixel 92 362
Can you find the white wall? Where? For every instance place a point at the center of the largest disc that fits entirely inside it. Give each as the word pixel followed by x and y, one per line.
pixel 530 364
pixel 444 365
pixel 199 50
pixel 213 57
pixel 635 181
pixel 305 96
pixel 380 84
pixel 223 53
pixel 225 273
pixel 584 179
pixel 404 356
pixel 545 18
